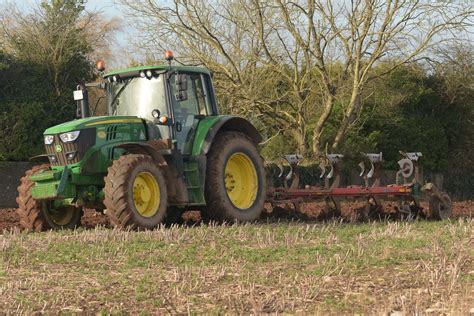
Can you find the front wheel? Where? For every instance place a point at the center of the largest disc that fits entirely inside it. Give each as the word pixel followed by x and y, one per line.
pixel 235 179
pixel 43 215
pixel 135 193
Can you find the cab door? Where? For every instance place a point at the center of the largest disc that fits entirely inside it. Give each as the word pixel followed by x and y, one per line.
pixel 191 101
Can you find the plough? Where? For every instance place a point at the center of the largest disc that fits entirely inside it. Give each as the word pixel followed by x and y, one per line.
pixel 407 189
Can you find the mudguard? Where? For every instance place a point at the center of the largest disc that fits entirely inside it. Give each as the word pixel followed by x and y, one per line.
pixel 40 159
pixel 146 148
pixel 209 127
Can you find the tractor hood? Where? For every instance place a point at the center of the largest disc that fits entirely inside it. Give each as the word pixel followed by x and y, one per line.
pixel 91 122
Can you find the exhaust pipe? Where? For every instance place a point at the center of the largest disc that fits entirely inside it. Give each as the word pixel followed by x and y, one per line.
pixel 82 97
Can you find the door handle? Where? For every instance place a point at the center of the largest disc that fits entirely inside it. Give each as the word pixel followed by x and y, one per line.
pixel 179 126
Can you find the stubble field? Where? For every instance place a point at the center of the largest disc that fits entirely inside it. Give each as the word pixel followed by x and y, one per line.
pixel 272 266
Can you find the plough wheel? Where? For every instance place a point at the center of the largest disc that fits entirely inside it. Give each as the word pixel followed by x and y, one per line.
pixel 440 207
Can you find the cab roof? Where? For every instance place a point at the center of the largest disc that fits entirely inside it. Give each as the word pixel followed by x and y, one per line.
pixel 135 71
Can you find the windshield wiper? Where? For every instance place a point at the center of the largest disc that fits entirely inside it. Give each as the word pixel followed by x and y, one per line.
pixel 114 101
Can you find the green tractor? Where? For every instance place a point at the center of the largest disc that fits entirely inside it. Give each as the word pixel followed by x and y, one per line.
pixel 163 149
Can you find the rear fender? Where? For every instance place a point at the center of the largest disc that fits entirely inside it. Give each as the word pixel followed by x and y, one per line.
pixel 202 145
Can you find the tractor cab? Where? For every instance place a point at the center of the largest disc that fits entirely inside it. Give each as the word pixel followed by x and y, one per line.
pixel 174 98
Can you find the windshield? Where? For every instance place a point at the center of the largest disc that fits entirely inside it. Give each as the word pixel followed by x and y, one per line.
pixel 137 97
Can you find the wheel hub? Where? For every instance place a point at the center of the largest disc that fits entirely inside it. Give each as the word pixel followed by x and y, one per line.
pixel 146 194
pixel 240 180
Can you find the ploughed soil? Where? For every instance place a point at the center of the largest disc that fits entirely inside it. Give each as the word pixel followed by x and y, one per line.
pixel 351 210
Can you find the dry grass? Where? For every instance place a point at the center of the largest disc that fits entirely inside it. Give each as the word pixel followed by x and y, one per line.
pixel 276 267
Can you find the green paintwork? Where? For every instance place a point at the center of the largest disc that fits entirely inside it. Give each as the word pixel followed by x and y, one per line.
pixel 50 190
pixel 193 182
pixel 91 170
pixel 163 67
pixel 93 166
pixel 90 122
pixel 203 129
pixel 46 176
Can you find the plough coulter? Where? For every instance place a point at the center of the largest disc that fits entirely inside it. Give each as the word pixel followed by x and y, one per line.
pixel 406 192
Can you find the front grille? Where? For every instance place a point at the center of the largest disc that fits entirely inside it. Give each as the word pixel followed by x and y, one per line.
pixel 78 147
pixel 111 132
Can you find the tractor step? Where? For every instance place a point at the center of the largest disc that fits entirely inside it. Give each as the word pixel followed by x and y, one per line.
pixel 193 184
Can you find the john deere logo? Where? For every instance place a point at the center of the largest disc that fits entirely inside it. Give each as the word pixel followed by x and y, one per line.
pixel 101 134
pixel 58 148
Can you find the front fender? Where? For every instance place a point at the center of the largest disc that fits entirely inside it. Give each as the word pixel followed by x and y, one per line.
pixel 146 148
pixel 40 159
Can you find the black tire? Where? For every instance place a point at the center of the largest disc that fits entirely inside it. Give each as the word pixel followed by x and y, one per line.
pixel 41 215
pixel 122 209
pixel 219 205
pixel 440 209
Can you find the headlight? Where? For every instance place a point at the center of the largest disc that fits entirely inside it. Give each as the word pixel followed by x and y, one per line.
pixel 48 139
pixel 69 136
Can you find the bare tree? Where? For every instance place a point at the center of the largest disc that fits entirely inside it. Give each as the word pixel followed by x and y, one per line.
pixel 360 33
pixel 287 61
pixel 257 70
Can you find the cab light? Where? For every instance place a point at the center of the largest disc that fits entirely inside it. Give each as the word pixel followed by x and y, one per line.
pixel 69 136
pixel 169 55
pixel 48 139
pixel 163 119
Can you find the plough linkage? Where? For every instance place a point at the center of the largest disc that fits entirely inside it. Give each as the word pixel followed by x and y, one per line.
pixel 407 188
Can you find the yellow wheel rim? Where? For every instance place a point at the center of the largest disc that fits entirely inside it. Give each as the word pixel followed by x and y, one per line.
pixel 146 194
pixel 61 216
pixel 241 180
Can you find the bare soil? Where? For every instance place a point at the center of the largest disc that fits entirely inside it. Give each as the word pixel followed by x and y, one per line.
pixel 313 211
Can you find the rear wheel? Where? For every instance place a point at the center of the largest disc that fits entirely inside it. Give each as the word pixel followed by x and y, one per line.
pixel 235 179
pixel 135 193
pixel 43 215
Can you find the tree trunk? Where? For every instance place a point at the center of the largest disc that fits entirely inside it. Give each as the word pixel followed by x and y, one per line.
pixel 320 124
pixel 352 110
pixel 299 138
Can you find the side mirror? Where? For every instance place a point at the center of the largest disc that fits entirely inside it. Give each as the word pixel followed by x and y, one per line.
pixel 181 84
